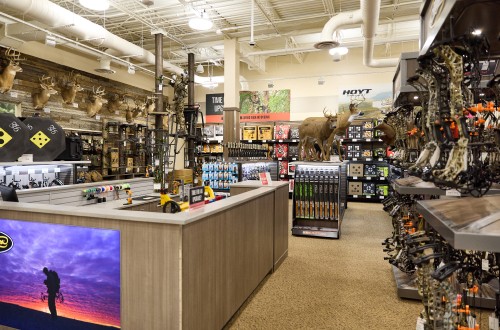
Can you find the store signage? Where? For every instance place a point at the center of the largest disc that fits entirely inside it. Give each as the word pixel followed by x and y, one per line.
pixel 215 108
pixel 371 100
pixel 6 242
pixel 196 196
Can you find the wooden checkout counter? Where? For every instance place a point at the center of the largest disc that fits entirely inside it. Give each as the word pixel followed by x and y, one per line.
pixel 189 270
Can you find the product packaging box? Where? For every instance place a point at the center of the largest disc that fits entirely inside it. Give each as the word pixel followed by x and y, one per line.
pixel 368 125
pixel 293 151
pixel 209 131
pixel 353 147
pixel 383 190
pixel 371 170
pixel 353 154
pixel 383 171
pixel 369 189
pixel 283 167
pixel 356 169
pixel 249 132
pixel 281 132
pixel 354 188
pixel 281 150
pixel 379 152
pixel 291 168
pixel 294 133
pixel 367 134
pixel 265 132
pixel 367 153
pixel 354 135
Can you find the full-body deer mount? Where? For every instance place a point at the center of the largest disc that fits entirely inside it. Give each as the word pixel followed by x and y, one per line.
pixel 42 95
pixel 69 86
pixel 94 101
pixel 9 71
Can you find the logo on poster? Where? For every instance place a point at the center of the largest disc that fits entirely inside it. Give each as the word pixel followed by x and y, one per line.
pixel 6 243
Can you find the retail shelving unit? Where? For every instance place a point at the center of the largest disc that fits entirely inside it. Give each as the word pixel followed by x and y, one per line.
pixel 468 228
pixel 319 199
pixel 368 171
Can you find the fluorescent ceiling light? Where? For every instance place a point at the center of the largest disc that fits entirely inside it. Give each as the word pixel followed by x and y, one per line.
pixel 95 4
pixel 202 22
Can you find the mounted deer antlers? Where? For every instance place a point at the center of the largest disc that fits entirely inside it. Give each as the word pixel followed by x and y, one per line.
pixel 9 72
pixel 95 101
pixel 115 101
pixel 69 87
pixel 41 97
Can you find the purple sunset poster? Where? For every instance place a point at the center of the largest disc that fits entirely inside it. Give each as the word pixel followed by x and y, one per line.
pixel 87 262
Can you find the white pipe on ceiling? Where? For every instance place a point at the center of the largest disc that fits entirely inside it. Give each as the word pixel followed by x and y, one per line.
pixel 62 19
pixel 368 16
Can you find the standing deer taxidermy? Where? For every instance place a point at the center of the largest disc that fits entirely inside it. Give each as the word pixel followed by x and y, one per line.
pixel 94 100
pixel 314 130
pixel 115 101
pixel 9 71
pixel 69 86
pixel 41 97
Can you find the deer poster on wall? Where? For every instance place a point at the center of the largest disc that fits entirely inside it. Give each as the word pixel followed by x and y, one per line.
pixel 372 99
pixel 273 105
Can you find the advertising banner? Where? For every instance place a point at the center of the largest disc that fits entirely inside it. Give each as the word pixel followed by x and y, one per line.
pixel 372 99
pixel 255 106
pixel 59 277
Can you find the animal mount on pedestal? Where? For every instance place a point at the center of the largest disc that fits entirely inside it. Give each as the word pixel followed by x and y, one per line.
pixel 69 86
pixel 41 96
pixel 94 101
pixel 9 71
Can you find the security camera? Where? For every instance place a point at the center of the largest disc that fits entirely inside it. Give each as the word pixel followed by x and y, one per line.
pixel 252 43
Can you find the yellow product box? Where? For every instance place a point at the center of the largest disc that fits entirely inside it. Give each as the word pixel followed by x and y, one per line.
pixel 265 132
pixel 249 132
pixel 216 148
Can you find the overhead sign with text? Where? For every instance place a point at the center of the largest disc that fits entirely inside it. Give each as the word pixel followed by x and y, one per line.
pixel 59 277
pixel 273 105
pixel 371 99
pixel 215 107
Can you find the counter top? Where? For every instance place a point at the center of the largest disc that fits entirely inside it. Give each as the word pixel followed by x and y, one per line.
pixel 258 184
pixel 108 211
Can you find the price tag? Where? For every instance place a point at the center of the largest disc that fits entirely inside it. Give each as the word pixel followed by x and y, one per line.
pixel 354 159
pixel 493 322
pixel 250 141
pixel 46 110
pixel 355 196
pixel 382 197
pixel 420 324
pixel 368 140
pixel 382 178
pixel 57 170
pixel 368 178
pixel 354 177
pixel 279 158
pixel 280 141
pixel 97 117
pixel 485 265
pixel 160 87
pixel 368 196
pixel 13 94
pixel 137 170
pixel 293 158
pixel 294 140
pixel 45 170
pixel 31 171
pixel 452 192
pixel 75 105
pixel 264 141
pixel 354 140
pixel 368 159
pixel 157 162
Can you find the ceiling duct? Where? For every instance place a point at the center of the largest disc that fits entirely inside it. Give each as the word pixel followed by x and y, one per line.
pixel 105 66
pixel 74 25
pixel 368 16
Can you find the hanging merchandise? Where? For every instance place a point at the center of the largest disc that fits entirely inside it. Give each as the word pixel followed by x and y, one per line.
pixel 14 137
pixel 47 138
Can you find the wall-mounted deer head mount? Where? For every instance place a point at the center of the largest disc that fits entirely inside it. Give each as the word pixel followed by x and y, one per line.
pixel 149 105
pixel 128 114
pixel 9 71
pixel 115 101
pixel 42 95
pixel 140 107
pixel 69 86
pixel 94 101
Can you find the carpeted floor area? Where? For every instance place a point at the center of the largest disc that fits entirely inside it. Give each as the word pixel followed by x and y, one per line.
pixel 333 284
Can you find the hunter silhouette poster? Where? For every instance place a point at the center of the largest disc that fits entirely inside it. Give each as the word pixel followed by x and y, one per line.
pixel 59 277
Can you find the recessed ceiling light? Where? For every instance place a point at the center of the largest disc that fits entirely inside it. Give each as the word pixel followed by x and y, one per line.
pixel 95 4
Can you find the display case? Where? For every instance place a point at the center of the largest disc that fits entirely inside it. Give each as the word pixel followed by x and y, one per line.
pixel 31 175
pixel 319 199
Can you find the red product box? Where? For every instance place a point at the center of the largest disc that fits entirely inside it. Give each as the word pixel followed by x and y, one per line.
pixel 281 150
pixel 281 132
pixel 283 167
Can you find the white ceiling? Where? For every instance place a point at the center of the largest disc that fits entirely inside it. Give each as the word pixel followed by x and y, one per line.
pixel 281 27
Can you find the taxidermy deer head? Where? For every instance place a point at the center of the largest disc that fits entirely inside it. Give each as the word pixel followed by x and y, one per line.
pixel 115 101
pixel 69 87
pixel 94 100
pixel 41 97
pixel 9 71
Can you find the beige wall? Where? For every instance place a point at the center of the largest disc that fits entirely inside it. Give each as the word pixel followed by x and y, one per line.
pixel 307 97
